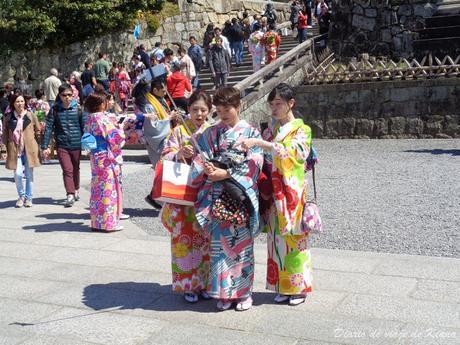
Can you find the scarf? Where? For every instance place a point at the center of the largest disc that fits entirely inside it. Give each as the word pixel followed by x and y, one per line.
pixel 160 109
pixel 18 133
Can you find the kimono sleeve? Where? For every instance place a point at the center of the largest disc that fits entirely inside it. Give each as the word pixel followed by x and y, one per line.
pixel 114 136
pixel 247 173
pixel 172 146
pixel 295 151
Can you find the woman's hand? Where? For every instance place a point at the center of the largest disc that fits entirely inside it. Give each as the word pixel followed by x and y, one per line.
pixel 218 175
pixel 247 144
pixel 208 168
pixel 186 152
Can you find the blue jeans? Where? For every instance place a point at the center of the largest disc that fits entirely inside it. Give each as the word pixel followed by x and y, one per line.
pixel 104 83
pixel 196 81
pixel 237 48
pixel 302 35
pixel 21 170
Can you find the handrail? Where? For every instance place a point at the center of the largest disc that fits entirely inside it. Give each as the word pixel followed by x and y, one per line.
pixel 271 68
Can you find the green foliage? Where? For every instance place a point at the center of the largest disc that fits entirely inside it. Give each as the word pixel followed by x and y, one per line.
pixel 154 18
pixel 33 24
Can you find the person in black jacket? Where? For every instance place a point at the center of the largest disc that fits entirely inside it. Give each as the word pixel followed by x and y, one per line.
pixel 219 63
pixel 66 121
pixel 236 38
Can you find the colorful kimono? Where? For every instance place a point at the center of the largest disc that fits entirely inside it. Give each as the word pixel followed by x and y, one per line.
pixel 271 41
pixel 189 242
pixel 256 48
pixel 289 259
pixel 106 197
pixel 232 247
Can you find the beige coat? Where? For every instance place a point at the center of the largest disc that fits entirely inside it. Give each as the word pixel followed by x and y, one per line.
pixel 31 129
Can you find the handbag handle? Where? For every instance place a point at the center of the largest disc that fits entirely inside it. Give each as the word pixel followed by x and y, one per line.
pixel 314 181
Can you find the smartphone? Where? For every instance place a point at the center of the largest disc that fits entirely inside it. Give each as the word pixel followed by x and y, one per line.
pixel 121 119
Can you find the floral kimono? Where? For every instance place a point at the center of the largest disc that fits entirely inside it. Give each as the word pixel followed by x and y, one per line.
pixel 232 246
pixel 271 41
pixel 106 197
pixel 189 243
pixel 256 48
pixel 289 259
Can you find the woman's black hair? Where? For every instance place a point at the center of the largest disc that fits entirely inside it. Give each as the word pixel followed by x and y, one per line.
pixel 284 91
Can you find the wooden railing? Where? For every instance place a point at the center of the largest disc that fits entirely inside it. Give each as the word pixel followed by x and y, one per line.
pixel 378 70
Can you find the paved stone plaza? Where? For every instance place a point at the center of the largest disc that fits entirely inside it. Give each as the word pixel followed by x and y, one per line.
pixel 62 284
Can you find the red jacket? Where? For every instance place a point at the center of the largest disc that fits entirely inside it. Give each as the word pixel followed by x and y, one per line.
pixel 302 21
pixel 177 84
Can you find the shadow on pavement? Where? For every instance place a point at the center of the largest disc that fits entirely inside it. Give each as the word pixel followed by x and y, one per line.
pixel 59 227
pixel 63 216
pixel 151 296
pixel 452 152
pixel 141 212
pixel 7 204
pixel 48 201
pixel 7 179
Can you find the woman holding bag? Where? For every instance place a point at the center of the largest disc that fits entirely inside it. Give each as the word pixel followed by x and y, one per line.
pixel 189 243
pixel 231 223
pixel 287 145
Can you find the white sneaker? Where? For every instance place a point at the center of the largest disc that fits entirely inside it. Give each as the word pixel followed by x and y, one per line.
pixel 245 304
pixel 224 305
pixel 281 298
pixel 297 299
pixel 191 297
pixel 124 216
pixel 69 201
pixel 28 203
pixel 77 195
pixel 20 202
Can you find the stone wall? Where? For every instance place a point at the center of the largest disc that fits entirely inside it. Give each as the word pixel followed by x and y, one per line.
pixel 378 27
pixel 394 109
pixel 32 67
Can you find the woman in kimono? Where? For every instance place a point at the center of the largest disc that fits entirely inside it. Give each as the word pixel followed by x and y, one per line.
pixel 256 48
pixel 287 145
pixel 106 159
pixel 231 233
pixel 271 41
pixel 189 243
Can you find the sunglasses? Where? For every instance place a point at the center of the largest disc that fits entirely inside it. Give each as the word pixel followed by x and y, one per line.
pixel 66 94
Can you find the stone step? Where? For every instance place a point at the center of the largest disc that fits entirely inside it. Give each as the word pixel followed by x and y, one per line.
pixel 440 21
pixel 439 47
pixel 452 7
pixel 439 32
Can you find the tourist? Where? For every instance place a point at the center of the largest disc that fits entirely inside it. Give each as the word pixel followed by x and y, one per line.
pixel 271 42
pixel 219 63
pixel 208 38
pixel 106 196
pixel 157 118
pixel 196 54
pixel 287 145
pixel 189 242
pixel 236 38
pixel 187 66
pixel 302 26
pixel 51 86
pixel 225 42
pixel 178 86
pixel 270 14
pixel 88 80
pixel 145 58
pixel 231 233
pixel 123 86
pixel 66 121
pixel 294 16
pixel 256 47
pixel 101 69
pixel 20 128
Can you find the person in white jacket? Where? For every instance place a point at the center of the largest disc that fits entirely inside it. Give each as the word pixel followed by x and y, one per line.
pixel 225 42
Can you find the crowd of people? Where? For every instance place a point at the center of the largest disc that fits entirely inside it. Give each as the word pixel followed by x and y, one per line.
pixel 248 182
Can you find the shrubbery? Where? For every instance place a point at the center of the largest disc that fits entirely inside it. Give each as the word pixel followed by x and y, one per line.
pixel 33 24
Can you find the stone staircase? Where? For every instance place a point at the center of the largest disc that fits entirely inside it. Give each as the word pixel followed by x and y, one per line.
pixel 237 74
pixel 441 34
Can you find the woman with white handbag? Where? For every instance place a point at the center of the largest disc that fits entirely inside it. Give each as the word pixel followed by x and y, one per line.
pixel 287 146
pixel 189 242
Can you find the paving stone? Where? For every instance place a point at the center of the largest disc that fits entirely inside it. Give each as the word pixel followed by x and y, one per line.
pixel 25 267
pixel 402 309
pixel 206 335
pixel 430 268
pixel 440 291
pixel 24 288
pixel 14 312
pixel 342 262
pixel 23 250
pixel 139 246
pixel 364 283
pixel 99 327
pixel 80 240
pixel 324 327
pixel 58 340
pixel 426 335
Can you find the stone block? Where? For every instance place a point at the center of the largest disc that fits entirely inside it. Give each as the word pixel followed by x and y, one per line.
pixel 333 128
pixel 180 27
pixel 386 35
pixel 370 12
pixel 433 128
pixel 348 127
pixel 452 125
pixel 364 127
pixel 405 10
pixel 414 126
pixel 193 26
pixel 363 22
pixel 397 125
pixel 358 9
pixel 381 127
